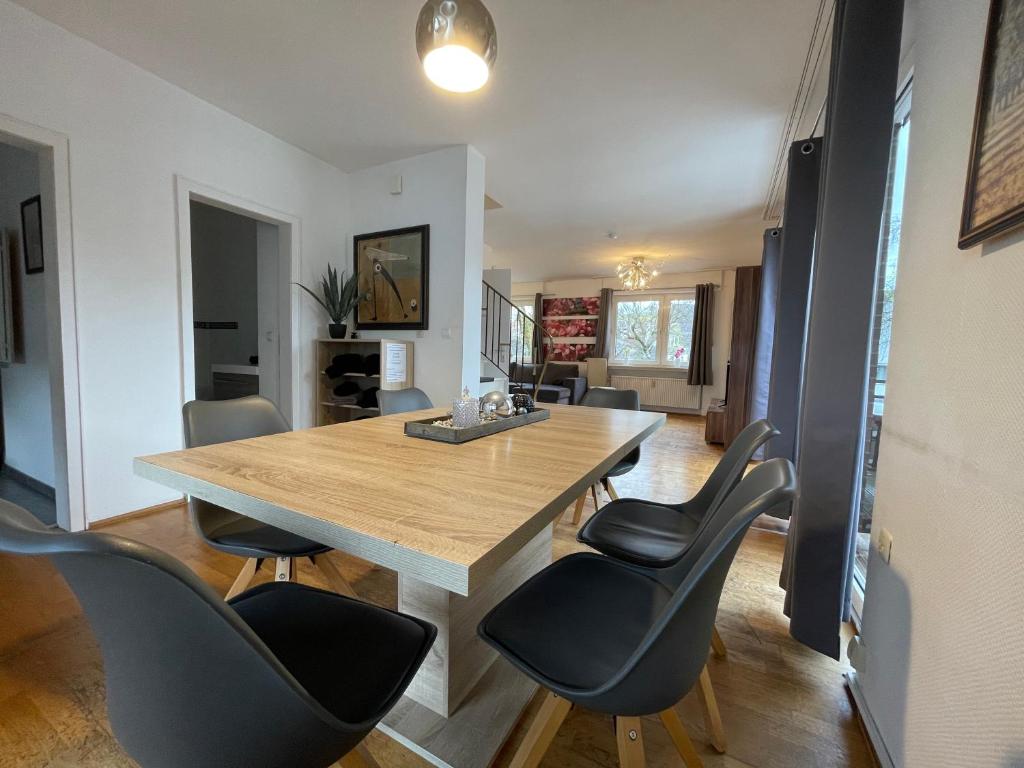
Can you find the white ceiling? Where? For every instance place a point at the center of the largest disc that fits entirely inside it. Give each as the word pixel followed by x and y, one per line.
pixel 658 119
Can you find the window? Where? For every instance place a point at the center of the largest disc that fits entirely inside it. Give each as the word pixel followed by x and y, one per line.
pixel 653 329
pixel 885 297
pixel 522 331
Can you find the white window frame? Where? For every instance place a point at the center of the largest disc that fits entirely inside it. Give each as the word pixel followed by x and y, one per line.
pixel 664 299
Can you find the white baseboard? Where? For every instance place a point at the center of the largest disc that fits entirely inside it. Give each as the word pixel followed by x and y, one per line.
pixel 870 726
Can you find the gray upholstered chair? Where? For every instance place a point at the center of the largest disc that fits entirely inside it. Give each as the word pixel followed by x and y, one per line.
pixel 220 421
pixel 624 400
pixel 283 676
pixel 613 638
pixel 402 400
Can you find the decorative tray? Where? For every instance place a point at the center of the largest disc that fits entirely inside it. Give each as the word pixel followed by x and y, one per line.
pixel 427 429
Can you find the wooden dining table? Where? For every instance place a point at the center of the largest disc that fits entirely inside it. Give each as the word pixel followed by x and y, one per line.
pixel 462 525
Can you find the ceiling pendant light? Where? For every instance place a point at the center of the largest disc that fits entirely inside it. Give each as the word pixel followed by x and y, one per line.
pixel 635 274
pixel 457 43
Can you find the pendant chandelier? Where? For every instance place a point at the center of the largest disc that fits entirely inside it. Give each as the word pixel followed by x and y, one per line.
pixel 457 43
pixel 635 274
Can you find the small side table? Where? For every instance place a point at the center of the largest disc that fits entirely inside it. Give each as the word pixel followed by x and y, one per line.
pixel 714 429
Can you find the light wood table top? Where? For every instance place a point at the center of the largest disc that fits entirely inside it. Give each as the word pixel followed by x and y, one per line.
pixel 448 515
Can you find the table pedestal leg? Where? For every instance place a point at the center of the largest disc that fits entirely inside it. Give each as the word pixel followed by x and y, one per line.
pixel 464 701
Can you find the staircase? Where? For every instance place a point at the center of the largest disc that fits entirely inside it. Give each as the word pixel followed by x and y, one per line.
pixel 509 335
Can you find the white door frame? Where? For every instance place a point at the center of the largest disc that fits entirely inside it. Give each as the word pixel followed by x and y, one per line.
pixel 61 313
pixel 290 232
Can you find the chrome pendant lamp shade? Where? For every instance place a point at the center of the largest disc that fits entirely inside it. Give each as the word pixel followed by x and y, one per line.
pixel 457 43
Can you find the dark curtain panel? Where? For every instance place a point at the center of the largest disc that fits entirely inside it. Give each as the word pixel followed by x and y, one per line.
pixel 858 129
pixel 603 346
pixel 538 319
pixel 765 339
pixel 701 341
pixel 794 293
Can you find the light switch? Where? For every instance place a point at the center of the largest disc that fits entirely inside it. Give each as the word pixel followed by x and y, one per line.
pixel 396 185
pixel 885 544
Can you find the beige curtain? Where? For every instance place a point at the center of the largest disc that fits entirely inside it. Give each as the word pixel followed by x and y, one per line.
pixel 703 330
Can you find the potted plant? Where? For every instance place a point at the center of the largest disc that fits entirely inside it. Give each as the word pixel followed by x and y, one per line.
pixel 340 297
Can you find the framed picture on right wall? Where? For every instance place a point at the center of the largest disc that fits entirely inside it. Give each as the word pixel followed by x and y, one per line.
pixel 994 193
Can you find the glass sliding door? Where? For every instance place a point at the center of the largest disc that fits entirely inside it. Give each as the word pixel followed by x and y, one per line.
pixel 888 265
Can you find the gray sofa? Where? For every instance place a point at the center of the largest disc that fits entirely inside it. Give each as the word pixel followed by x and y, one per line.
pixel 562 382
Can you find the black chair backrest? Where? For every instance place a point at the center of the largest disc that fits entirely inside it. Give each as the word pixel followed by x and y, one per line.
pixel 731 467
pixel 402 400
pixel 220 421
pixel 188 682
pixel 670 658
pixel 624 400
pixel 606 397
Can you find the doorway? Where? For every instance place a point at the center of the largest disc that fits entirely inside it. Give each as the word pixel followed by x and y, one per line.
pixel 239 318
pixel 235 304
pixel 40 426
pixel 26 425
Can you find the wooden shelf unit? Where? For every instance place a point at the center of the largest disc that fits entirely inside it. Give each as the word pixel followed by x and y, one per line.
pixel 329 412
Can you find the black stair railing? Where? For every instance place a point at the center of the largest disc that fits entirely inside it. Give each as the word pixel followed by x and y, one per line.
pixel 509 335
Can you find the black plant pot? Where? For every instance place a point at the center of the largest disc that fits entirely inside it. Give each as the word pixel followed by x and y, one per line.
pixel 337 330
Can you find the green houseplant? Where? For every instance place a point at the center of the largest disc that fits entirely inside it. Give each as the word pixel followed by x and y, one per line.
pixel 339 298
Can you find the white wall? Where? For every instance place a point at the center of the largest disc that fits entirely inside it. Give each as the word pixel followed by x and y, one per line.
pixel 725 295
pixel 943 667
pixel 223 289
pixel 130 133
pixel 444 189
pixel 28 425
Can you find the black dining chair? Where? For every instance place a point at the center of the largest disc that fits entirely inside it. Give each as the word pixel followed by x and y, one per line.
pixel 659 536
pixel 621 399
pixel 402 400
pixel 656 535
pixel 610 636
pixel 207 422
pixel 282 676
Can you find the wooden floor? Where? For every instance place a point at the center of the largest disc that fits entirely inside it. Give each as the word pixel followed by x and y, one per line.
pixel 783 705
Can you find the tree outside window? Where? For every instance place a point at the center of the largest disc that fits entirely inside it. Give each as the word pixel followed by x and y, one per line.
pixel 653 330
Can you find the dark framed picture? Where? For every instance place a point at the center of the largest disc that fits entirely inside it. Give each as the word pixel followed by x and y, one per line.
pixel 393 268
pixel 32 234
pixel 994 194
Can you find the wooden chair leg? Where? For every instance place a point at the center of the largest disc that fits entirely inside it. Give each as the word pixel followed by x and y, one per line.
pixel 681 739
pixel 542 732
pixel 593 492
pixel 717 644
pixel 712 717
pixel 631 742
pixel 611 490
pixel 577 514
pixel 283 569
pixel 333 576
pixel 244 578
pixel 359 757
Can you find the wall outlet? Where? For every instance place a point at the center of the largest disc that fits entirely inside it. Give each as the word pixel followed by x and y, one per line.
pixel 885 544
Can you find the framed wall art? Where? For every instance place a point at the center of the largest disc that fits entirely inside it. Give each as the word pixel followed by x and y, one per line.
pixel 32 234
pixel 393 269
pixel 994 193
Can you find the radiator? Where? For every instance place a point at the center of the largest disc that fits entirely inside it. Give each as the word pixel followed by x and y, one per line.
pixel 661 393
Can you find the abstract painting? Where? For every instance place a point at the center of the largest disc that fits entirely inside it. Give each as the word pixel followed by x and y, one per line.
pixel 994 195
pixel 392 269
